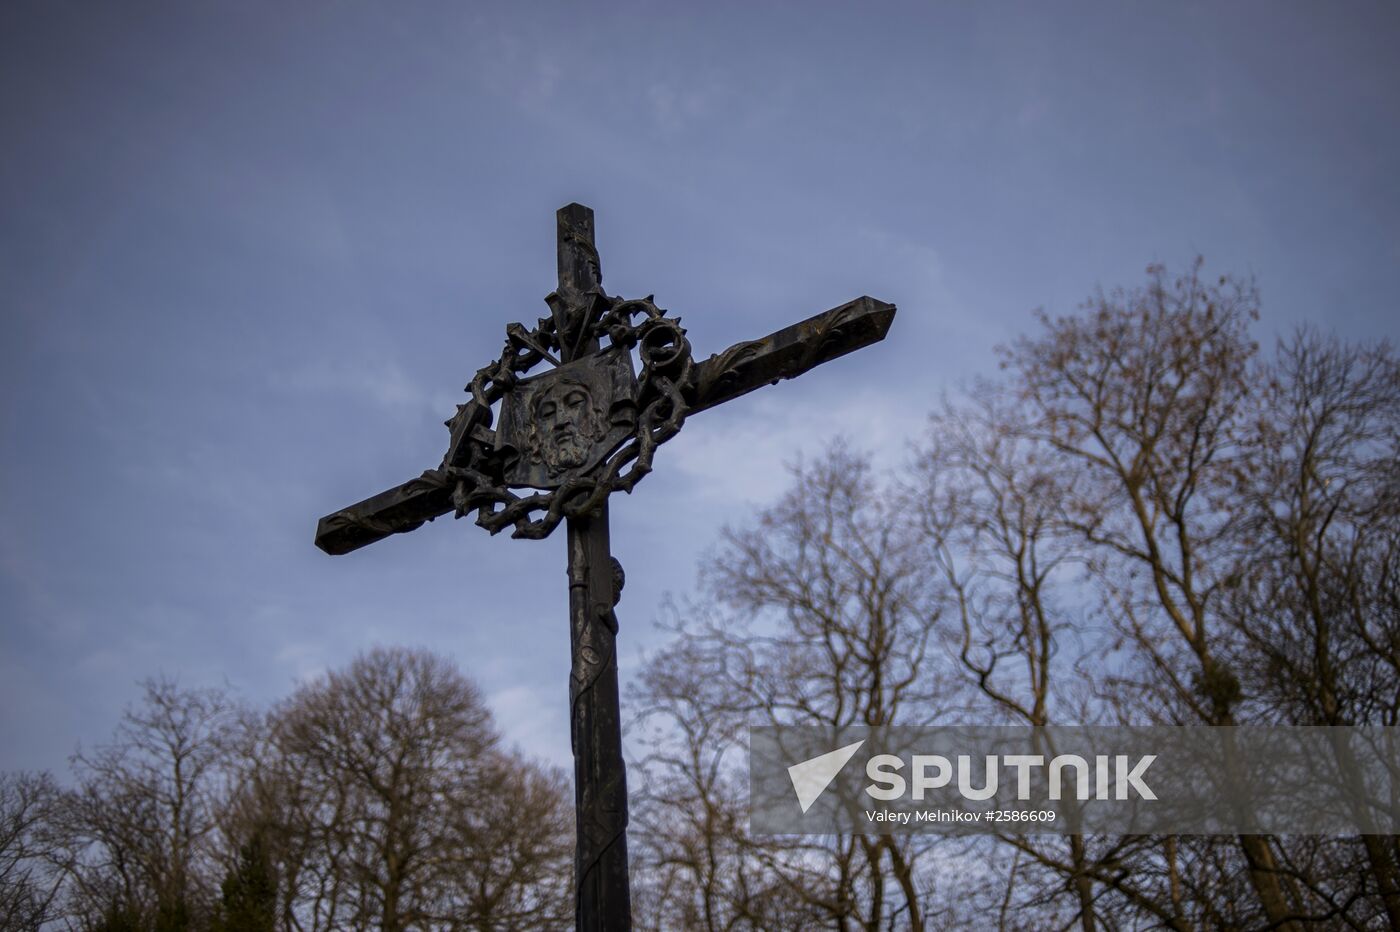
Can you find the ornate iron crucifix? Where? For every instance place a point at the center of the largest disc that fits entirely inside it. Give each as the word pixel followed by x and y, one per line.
pixel 531 450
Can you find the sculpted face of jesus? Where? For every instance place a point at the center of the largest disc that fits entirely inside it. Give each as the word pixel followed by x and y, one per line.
pixel 567 424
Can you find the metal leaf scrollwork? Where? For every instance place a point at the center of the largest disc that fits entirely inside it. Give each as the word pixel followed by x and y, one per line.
pixel 725 369
pixel 829 331
pixel 481 462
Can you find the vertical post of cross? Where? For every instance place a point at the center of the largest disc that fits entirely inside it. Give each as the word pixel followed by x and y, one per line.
pixel 602 893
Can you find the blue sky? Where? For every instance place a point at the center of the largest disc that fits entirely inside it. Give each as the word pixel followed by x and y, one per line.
pixel 250 253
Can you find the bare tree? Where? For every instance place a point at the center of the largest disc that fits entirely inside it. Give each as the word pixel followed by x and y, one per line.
pixel 700 868
pixel 1235 520
pixel 29 878
pixel 989 511
pixel 376 797
pixel 1314 597
pixel 1319 533
pixel 827 612
pixel 140 824
pixel 1140 522
pixel 389 805
pixel 1144 395
pixel 509 856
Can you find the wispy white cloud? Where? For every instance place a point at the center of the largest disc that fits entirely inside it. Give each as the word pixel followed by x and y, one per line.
pixel 305 660
pixel 384 383
pixel 533 721
pixel 745 458
pixel 678 106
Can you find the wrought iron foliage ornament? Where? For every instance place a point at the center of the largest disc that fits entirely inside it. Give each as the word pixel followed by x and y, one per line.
pixel 570 436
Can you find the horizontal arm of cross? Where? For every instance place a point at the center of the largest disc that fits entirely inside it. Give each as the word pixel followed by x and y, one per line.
pixel 736 371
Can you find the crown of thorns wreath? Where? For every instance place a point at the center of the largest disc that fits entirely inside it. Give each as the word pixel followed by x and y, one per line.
pixel 474 469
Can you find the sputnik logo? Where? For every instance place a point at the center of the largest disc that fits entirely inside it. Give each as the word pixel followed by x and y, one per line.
pixel 811 777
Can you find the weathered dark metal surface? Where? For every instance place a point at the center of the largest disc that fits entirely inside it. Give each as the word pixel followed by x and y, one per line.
pixel 602 898
pixel 736 371
pixel 602 894
pixel 789 352
pixel 585 428
pixel 564 423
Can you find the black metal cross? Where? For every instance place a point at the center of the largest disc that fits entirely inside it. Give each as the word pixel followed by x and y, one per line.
pixel 566 438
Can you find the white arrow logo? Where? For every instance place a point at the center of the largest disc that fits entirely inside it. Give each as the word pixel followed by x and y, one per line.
pixel 811 777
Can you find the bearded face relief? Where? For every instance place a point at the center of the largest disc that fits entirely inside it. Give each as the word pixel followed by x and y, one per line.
pixel 561 425
pixel 567 424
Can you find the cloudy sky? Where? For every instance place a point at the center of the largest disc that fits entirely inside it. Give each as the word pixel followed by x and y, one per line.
pixel 250 253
